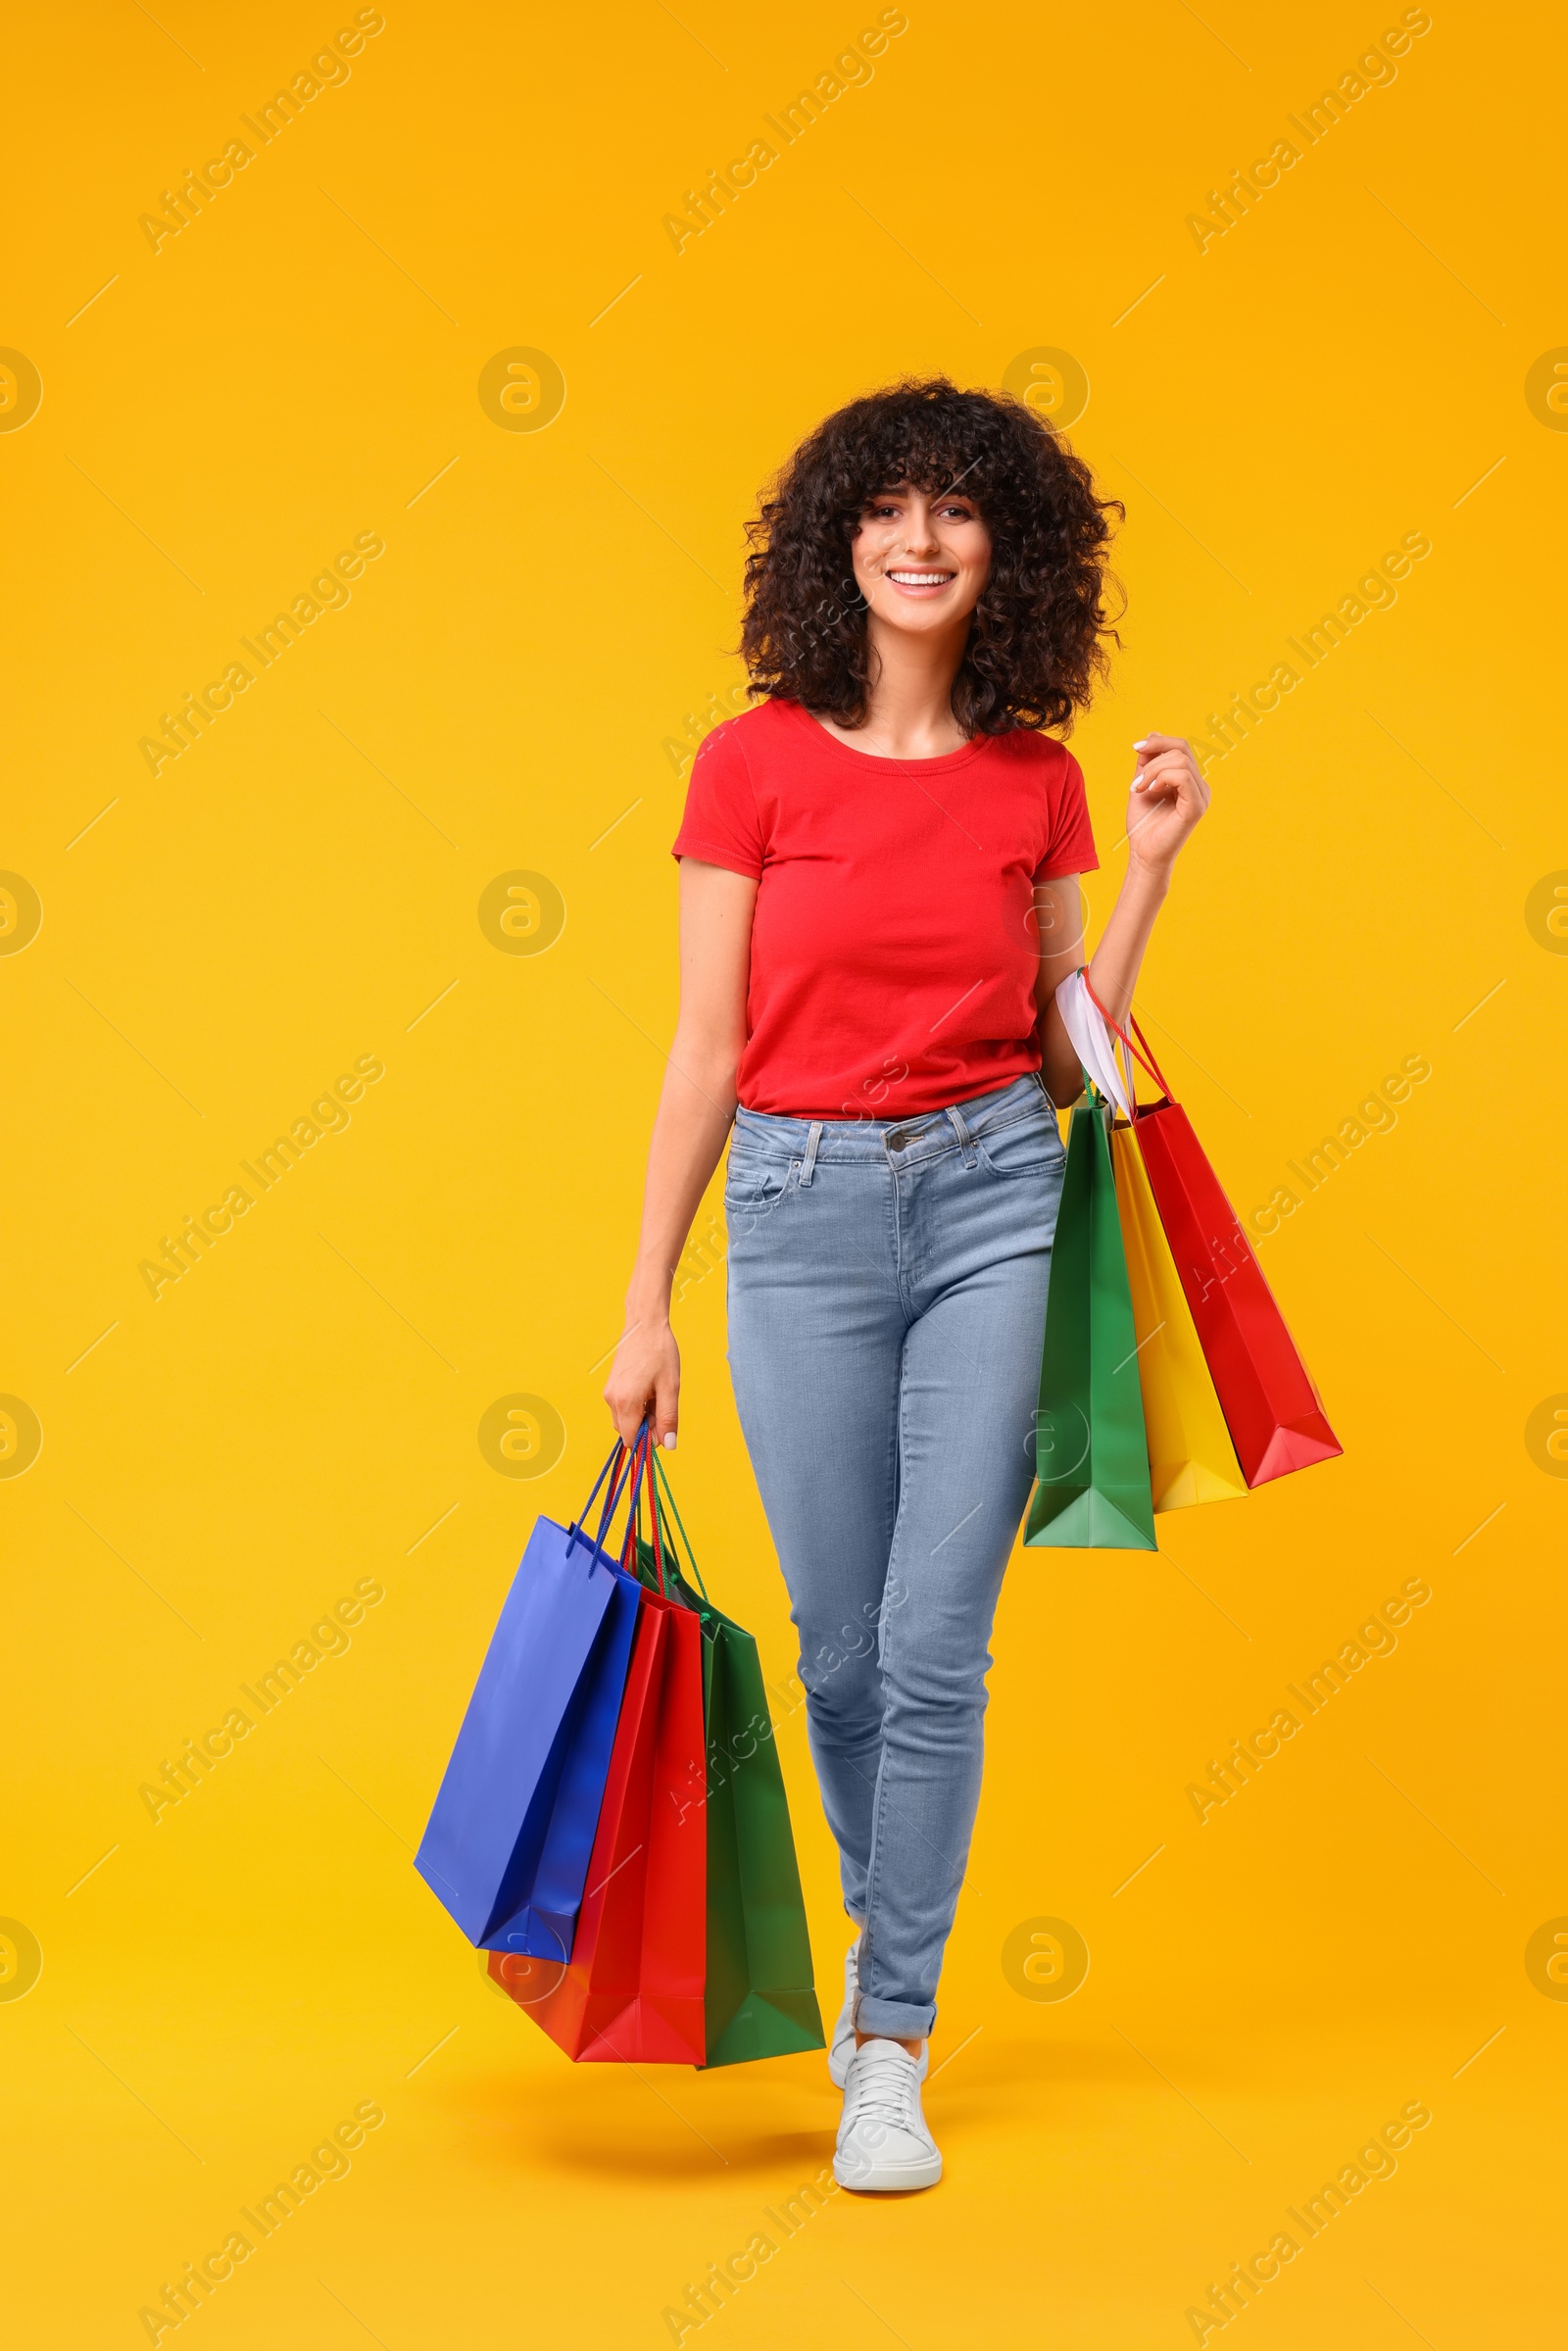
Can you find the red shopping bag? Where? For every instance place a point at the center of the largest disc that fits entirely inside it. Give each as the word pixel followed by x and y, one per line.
pixel 1272 1409
pixel 633 1989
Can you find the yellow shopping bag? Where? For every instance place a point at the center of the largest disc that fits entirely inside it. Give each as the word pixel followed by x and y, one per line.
pixel 1191 1457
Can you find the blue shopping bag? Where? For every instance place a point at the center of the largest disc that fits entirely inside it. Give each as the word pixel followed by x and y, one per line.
pixel 505 1850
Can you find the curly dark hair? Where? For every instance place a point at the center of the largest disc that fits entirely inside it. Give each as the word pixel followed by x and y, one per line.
pixel 1036 645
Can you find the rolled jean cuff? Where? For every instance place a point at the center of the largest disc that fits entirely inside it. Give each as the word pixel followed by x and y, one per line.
pixel 893 2020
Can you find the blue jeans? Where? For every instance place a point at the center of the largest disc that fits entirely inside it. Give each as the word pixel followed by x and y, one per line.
pixel 887 1305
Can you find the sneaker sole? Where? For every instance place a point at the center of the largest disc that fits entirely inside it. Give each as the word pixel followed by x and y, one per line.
pixel 889 2180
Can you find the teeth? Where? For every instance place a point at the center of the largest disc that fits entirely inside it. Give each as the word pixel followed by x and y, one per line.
pixel 921 579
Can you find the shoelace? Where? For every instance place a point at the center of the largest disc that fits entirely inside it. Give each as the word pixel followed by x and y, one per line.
pixel 886 2087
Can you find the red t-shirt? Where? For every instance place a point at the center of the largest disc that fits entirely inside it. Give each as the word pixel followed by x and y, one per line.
pixel 894 951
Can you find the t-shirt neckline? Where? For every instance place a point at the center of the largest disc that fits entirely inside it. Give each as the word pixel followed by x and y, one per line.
pixel 873 758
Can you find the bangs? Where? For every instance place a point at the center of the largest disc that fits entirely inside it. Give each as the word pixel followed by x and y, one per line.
pixel 927 461
pixel 933 446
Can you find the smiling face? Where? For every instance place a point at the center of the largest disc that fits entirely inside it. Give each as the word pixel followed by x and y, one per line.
pixel 921 557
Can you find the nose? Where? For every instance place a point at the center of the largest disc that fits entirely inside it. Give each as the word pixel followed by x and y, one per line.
pixel 919 532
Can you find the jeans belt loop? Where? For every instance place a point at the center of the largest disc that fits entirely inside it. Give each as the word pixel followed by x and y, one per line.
pixel 970 1157
pixel 813 1138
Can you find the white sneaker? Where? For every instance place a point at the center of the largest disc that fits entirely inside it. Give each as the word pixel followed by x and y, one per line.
pixel 883 2141
pixel 843 2044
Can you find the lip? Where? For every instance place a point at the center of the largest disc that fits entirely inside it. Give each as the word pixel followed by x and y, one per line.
pixel 922 581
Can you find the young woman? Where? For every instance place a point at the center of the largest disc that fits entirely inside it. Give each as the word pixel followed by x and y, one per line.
pixel 879 896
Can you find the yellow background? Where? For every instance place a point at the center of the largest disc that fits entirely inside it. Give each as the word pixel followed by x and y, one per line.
pixel 302 885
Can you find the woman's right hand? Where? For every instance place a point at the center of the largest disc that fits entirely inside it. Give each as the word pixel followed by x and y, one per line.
pixel 644 1380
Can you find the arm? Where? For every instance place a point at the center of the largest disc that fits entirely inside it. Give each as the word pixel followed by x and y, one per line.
pixel 696 1110
pixel 1167 798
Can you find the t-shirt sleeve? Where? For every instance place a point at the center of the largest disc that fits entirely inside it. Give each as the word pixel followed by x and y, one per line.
pixel 1071 848
pixel 721 825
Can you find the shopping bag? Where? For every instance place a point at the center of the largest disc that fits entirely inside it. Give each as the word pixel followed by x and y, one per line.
pixel 539 1905
pixel 632 1991
pixel 1191 1457
pixel 760 1996
pixel 1272 1408
pixel 1091 1453
pixel 508 1838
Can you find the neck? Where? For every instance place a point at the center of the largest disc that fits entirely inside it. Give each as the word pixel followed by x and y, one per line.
pixel 909 703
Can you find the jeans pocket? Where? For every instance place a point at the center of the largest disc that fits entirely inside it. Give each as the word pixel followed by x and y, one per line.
pixel 1025 1146
pixel 754 1186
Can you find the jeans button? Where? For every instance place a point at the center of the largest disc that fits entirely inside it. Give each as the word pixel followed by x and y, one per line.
pixel 895 1143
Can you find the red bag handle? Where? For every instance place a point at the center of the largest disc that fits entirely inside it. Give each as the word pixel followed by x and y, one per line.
pixel 652 1518
pixel 643 1457
pixel 1133 1053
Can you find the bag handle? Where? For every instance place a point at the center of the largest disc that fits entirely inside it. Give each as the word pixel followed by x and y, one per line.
pixel 633 1498
pixel 654 1530
pixel 632 1470
pixel 1088 1038
pixel 579 1526
pixel 625 1469
pixel 1149 1063
pixel 642 1478
pixel 614 1468
pixel 1129 1050
pixel 660 1479
pixel 611 1460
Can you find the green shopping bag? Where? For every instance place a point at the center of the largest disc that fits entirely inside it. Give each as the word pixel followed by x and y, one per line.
pixel 760 1999
pixel 1091 1452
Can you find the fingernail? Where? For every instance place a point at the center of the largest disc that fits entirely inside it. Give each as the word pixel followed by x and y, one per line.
pixel 668 1441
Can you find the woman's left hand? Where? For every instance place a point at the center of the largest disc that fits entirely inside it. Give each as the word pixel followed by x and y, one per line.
pixel 1168 796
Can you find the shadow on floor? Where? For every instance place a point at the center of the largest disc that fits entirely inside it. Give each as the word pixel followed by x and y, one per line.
pixel 636 2123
